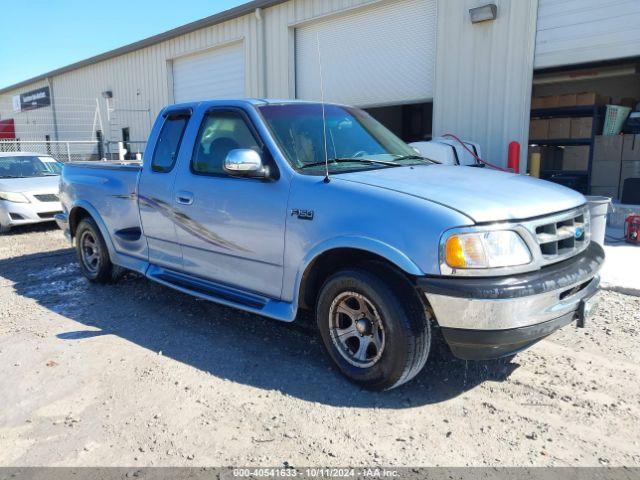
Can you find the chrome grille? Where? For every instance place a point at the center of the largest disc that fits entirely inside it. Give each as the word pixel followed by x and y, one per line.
pixel 47 197
pixel 563 235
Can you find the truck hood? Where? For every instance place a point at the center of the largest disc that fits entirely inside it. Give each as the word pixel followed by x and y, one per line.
pixel 30 184
pixel 482 194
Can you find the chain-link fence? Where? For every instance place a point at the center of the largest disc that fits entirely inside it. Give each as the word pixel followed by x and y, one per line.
pixel 72 151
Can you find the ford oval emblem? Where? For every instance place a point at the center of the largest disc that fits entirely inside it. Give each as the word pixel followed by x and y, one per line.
pixel 579 233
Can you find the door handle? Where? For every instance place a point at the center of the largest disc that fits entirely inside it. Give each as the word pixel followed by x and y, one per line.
pixel 184 198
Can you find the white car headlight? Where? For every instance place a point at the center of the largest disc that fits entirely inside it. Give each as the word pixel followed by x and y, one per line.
pixel 481 250
pixel 13 197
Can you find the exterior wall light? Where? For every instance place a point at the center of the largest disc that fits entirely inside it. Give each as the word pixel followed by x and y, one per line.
pixel 484 13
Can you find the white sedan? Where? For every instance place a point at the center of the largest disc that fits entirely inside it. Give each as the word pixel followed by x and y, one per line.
pixel 28 189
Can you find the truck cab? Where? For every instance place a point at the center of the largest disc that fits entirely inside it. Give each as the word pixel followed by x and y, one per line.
pixel 276 206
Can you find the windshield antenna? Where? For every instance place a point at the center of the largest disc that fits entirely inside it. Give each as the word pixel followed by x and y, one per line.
pixel 324 117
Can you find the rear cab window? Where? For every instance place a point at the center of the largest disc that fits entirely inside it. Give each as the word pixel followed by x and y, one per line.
pixel 168 144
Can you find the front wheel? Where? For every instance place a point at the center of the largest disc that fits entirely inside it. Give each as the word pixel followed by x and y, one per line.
pixel 92 252
pixel 377 332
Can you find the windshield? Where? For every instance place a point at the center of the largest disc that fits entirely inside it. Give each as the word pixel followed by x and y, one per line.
pixel 354 139
pixel 28 166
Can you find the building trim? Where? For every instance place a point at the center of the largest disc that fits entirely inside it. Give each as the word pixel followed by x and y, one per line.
pixel 231 14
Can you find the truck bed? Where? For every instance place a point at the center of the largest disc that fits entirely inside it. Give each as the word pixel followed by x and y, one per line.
pixel 111 189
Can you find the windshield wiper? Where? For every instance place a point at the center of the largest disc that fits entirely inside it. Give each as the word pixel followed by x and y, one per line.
pixel 416 157
pixel 352 160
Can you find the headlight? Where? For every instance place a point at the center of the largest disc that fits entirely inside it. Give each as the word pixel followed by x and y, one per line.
pixel 493 249
pixel 13 197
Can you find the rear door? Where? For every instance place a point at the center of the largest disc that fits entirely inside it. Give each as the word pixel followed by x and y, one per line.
pixel 155 191
pixel 231 229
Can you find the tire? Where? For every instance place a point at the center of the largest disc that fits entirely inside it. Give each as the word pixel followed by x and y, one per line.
pixel 92 252
pixel 4 229
pixel 396 323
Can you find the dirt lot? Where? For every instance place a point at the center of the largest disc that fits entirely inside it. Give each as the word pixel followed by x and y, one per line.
pixel 136 374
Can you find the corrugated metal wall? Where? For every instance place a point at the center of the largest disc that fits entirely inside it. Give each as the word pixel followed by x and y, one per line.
pixel 580 31
pixel 484 74
pixel 280 23
pixel 141 80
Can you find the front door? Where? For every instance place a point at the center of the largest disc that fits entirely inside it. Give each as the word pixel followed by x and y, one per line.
pixel 231 229
pixel 155 192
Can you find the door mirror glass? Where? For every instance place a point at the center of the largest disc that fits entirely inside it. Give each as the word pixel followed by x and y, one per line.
pixel 245 162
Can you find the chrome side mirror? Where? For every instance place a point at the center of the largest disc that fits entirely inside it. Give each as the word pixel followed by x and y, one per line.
pixel 245 163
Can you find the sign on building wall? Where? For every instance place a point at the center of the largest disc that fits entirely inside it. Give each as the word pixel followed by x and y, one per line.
pixel 38 98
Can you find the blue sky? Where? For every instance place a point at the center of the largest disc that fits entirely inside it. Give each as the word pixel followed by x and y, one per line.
pixel 41 35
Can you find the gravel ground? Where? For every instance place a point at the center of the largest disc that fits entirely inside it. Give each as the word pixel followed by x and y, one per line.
pixel 136 374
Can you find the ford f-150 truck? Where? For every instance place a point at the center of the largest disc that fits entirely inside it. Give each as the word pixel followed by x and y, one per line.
pixel 277 206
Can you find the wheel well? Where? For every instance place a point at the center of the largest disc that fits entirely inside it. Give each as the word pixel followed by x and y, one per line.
pixel 329 262
pixel 76 215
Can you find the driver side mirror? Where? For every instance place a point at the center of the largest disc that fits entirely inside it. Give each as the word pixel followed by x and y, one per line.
pixel 245 163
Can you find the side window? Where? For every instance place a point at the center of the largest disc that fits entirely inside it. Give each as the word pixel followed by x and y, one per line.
pixel 166 151
pixel 220 133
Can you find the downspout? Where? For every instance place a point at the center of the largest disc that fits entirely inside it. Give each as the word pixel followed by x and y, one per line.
pixel 53 108
pixel 262 53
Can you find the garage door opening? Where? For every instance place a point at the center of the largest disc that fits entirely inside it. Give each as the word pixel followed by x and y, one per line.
pixel 582 132
pixel 412 123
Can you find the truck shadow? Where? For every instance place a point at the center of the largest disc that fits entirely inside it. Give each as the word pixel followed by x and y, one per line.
pixel 237 346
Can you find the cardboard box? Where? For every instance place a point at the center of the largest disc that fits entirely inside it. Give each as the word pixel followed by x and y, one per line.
pixel 538 129
pixel 605 174
pixel 559 128
pixel 591 98
pixel 548 101
pixel 629 170
pixel 550 158
pixel 629 102
pixel 630 148
pixel 609 191
pixel 607 149
pixel 581 127
pixel 567 100
pixel 576 158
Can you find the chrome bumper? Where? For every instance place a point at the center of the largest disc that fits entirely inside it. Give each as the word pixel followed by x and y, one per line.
pixel 501 314
pixel 491 317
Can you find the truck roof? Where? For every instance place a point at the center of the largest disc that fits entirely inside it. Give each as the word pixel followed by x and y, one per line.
pixel 23 154
pixel 248 101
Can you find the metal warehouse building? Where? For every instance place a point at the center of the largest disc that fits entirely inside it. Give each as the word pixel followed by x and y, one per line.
pixel 422 67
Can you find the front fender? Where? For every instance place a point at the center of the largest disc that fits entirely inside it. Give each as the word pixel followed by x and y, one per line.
pixel 367 244
pixel 393 255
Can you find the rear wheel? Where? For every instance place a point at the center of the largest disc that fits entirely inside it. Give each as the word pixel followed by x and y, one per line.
pixel 92 252
pixel 4 229
pixel 377 332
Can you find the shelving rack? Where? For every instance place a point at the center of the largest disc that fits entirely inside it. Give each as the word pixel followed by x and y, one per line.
pixel 595 111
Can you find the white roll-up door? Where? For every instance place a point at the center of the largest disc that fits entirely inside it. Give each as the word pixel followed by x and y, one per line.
pixel 379 55
pixel 581 31
pixel 216 73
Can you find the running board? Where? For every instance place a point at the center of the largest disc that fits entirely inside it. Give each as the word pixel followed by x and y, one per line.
pixel 222 294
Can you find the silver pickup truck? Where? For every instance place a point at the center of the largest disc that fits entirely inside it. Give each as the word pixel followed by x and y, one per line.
pixel 236 202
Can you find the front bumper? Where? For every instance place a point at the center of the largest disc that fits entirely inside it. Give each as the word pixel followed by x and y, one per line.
pixel 491 317
pixel 14 214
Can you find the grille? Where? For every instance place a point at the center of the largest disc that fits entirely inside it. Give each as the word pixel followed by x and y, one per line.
pixel 47 197
pixel 47 214
pixel 563 236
